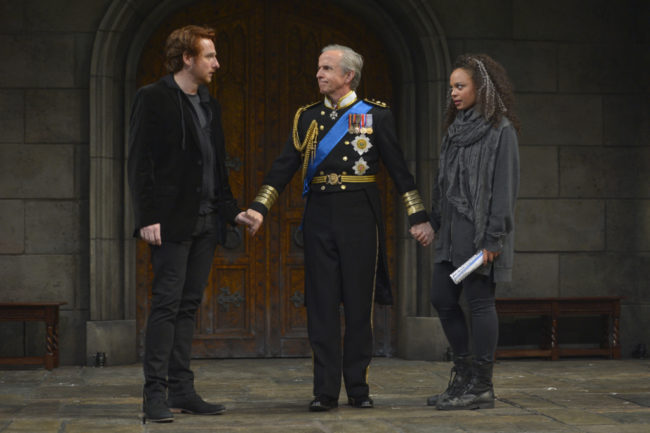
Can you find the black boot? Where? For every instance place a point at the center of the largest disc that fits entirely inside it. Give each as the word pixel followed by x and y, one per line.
pixel 193 404
pixel 155 409
pixel 479 394
pixel 459 377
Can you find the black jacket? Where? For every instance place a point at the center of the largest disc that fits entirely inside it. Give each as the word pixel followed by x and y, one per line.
pixel 165 161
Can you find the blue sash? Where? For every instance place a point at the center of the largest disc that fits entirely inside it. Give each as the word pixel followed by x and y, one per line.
pixel 330 140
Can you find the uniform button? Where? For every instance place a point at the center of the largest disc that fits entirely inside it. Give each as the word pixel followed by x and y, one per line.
pixel 322 113
pixel 322 127
pixel 347 142
pixel 343 187
pixel 344 173
pixel 322 188
pixel 345 158
pixel 322 173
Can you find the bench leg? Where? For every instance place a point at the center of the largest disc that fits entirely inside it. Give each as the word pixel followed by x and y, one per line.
pixel 616 345
pixel 51 358
pixel 554 350
pixel 51 350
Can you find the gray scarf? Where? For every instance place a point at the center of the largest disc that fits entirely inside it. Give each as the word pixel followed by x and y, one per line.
pixel 467 161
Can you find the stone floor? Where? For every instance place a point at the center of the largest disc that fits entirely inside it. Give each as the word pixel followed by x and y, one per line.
pixel 580 395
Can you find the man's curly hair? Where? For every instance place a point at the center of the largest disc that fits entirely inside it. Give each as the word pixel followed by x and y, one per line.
pixel 494 91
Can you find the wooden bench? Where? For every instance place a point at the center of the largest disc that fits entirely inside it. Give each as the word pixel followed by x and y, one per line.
pixel 552 309
pixel 47 312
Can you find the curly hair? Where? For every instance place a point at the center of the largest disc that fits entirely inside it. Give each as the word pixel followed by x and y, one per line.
pixel 494 91
pixel 185 40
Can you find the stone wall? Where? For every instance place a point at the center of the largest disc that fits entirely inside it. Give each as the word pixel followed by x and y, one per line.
pixel 580 69
pixel 44 78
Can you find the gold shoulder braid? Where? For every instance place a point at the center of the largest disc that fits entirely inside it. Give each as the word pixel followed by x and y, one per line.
pixel 308 146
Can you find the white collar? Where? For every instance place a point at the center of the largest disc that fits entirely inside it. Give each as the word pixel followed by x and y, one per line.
pixel 346 100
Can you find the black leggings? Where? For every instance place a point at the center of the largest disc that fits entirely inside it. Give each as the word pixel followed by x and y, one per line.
pixel 479 293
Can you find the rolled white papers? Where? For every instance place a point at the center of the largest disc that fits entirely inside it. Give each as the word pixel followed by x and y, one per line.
pixel 467 268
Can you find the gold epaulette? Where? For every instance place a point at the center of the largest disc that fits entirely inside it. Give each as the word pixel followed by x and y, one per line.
pixel 376 102
pixel 303 108
pixel 296 118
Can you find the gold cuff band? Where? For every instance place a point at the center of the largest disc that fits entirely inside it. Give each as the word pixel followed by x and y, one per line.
pixel 337 179
pixel 413 202
pixel 267 196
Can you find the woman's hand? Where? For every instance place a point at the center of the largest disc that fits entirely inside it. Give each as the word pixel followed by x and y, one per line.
pixel 489 256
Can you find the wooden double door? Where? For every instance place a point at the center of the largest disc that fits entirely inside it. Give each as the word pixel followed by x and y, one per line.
pixel 268 52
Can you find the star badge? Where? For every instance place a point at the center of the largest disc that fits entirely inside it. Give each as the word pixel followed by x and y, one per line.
pixel 361 144
pixel 360 167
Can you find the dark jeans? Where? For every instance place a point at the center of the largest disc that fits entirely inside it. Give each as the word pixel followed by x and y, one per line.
pixel 479 293
pixel 181 270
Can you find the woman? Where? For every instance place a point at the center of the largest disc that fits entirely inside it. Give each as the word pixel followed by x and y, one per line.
pixel 473 210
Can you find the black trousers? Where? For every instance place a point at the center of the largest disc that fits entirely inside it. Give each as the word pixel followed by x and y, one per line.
pixel 341 246
pixel 181 270
pixel 479 292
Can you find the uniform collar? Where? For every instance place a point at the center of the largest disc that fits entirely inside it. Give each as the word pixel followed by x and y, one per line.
pixel 345 101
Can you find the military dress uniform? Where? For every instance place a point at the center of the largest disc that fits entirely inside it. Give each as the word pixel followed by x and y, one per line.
pixel 343 231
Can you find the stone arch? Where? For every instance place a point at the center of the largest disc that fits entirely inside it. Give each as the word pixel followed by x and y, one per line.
pixel 412 36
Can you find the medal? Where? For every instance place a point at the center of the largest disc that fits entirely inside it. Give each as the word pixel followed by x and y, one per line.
pixel 361 144
pixel 369 124
pixel 360 167
pixel 360 123
pixel 334 114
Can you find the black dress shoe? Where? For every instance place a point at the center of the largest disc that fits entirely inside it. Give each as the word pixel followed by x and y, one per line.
pixel 362 402
pixel 156 410
pixel 194 405
pixel 322 404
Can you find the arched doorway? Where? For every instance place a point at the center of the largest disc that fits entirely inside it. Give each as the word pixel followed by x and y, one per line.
pixel 411 37
pixel 253 305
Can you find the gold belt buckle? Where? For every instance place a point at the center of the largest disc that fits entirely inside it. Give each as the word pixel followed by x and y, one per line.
pixel 333 179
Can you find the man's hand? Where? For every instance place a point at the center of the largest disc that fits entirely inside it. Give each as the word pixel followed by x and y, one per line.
pixel 151 234
pixel 257 220
pixel 423 233
pixel 244 218
pixel 489 256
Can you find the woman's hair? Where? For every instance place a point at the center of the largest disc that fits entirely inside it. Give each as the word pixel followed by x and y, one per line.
pixel 494 91
pixel 351 61
pixel 185 40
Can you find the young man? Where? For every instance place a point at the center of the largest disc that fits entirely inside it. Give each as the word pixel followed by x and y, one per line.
pixel 182 202
pixel 340 141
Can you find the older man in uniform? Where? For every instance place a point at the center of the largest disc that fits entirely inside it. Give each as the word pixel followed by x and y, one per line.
pixel 338 142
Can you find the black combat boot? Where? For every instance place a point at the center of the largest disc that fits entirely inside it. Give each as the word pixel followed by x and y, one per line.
pixel 459 378
pixel 479 394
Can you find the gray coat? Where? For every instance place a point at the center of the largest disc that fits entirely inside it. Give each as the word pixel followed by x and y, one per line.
pixel 455 232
